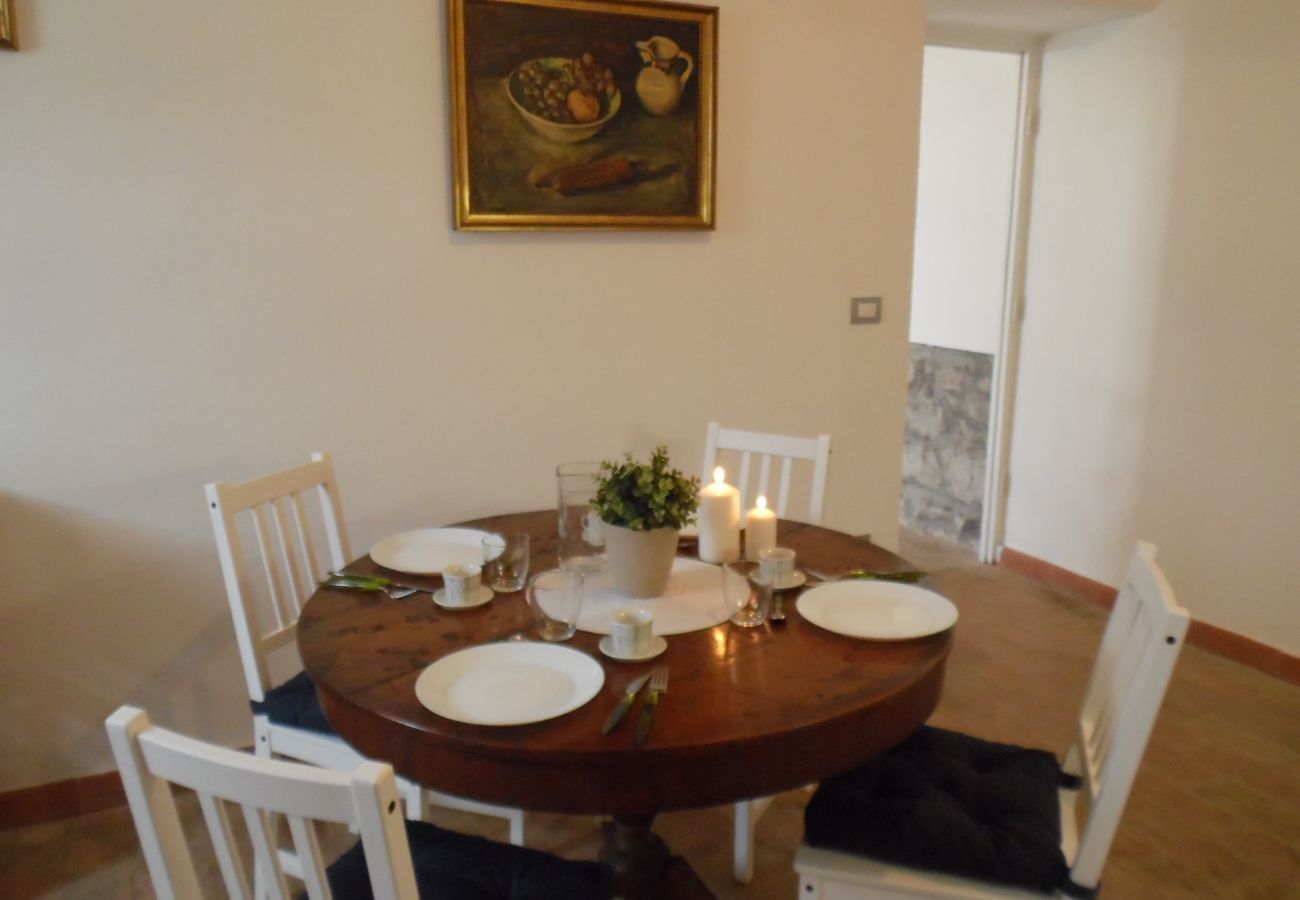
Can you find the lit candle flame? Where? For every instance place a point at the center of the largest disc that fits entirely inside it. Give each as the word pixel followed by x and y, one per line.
pixel 761 503
pixel 719 475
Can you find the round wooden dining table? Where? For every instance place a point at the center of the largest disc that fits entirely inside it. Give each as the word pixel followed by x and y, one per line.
pixel 748 712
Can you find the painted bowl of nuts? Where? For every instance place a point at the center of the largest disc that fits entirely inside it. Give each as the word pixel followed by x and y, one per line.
pixel 564 100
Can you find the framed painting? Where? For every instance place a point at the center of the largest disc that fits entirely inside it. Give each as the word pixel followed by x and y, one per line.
pixel 582 114
pixel 8 41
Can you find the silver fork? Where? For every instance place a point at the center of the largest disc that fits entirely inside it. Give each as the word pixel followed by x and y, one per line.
pixel 397 592
pixel 658 685
pixel 394 591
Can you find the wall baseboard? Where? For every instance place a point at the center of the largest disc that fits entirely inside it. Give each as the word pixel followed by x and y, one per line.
pixel 64 799
pixel 60 800
pixel 1219 641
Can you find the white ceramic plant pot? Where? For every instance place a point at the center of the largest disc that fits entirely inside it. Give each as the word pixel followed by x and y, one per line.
pixel 640 561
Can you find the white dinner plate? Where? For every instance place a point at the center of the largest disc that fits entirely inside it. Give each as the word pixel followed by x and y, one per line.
pixel 430 550
pixel 877 610
pixel 509 683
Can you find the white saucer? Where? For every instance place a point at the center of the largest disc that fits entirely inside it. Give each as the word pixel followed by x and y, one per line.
pixel 798 579
pixel 657 645
pixel 481 596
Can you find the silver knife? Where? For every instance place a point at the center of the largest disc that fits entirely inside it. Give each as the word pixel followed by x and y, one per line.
pixel 624 704
pixel 380 580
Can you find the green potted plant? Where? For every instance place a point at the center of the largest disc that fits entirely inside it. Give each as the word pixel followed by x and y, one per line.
pixel 642 506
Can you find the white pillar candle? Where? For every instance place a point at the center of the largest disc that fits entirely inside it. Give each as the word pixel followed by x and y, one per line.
pixel 719 517
pixel 760 529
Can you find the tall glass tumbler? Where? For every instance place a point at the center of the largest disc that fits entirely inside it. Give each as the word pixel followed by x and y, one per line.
pixel 581 547
pixel 555 599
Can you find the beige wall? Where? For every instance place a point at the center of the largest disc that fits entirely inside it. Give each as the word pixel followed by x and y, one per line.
pixel 1160 375
pixel 225 243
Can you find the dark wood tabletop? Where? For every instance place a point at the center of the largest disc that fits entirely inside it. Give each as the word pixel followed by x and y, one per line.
pixel 748 712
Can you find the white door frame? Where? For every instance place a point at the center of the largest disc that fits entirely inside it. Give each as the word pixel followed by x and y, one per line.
pixel 1006 361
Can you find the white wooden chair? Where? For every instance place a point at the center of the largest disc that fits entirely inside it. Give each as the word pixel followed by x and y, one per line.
pixel 399 861
pixel 1141 643
pixel 788 450
pixel 151 759
pixel 288 527
pixel 768 447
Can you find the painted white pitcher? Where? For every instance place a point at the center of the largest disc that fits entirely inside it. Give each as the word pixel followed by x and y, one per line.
pixel 657 87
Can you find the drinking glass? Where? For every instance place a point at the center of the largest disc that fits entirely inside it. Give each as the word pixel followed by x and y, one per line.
pixel 505 560
pixel 581 546
pixel 555 599
pixel 577 478
pixel 748 592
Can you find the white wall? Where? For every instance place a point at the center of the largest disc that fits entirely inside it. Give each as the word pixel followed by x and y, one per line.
pixel 225 243
pixel 1161 365
pixel 1032 16
pixel 970 101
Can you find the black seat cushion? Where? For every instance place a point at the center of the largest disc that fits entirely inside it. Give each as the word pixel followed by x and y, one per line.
pixel 294 703
pixel 951 803
pixel 453 866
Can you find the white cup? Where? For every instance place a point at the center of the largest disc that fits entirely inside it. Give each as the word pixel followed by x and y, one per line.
pixel 777 566
pixel 460 584
pixel 633 633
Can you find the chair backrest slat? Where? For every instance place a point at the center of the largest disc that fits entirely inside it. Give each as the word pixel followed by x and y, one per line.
pixel 313 867
pixel 744 481
pixel 783 494
pixel 764 479
pixel 295 552
pixel 232 867
pixel 289 561
pixel 264 521
pixel 152 759
pixel 308 560
pixel 266 856
pixel 1139 649
pixel 769 446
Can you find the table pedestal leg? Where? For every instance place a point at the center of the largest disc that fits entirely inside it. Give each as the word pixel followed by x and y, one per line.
pixel 644 868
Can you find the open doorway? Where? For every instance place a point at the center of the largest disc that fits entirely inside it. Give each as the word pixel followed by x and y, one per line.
pixel 972 200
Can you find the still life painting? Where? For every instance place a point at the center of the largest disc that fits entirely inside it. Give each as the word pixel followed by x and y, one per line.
pixel 7 39
pixel 582 114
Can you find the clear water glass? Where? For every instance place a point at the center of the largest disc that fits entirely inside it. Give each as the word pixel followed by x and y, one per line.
pixel 505 561
pixel 747 591
pixel 555 599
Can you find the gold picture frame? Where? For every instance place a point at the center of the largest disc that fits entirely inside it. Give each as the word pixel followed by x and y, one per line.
pixel 582 114
pixel 8 39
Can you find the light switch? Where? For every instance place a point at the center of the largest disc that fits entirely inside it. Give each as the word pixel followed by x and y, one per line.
pixel 864 310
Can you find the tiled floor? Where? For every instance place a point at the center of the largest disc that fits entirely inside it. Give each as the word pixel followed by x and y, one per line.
pixel 1215 812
